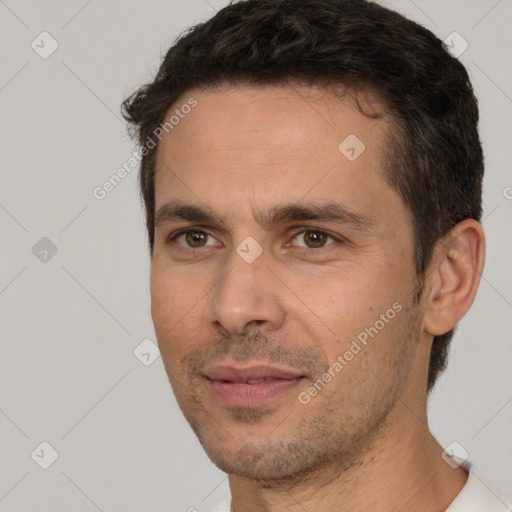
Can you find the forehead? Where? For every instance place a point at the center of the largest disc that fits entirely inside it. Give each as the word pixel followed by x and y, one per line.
pixel 273 116
pixel 279 143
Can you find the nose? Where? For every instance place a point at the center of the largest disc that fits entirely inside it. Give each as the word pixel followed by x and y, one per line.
pixel 247 296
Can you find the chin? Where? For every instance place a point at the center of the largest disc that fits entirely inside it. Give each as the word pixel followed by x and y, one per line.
pixel 265 459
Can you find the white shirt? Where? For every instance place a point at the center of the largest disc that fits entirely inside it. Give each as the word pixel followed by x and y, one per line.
pixel 476 496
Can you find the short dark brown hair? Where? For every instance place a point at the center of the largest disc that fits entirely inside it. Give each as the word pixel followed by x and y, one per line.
pixel 435 159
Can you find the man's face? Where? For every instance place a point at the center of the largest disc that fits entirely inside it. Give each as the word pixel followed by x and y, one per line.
pixel 265 287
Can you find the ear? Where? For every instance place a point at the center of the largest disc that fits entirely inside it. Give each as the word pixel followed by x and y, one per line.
pixel 453 276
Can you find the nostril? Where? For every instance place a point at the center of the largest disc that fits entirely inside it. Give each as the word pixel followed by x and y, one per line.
pixel 251 326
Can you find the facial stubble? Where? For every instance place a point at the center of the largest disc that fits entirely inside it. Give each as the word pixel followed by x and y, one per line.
pixel 338 427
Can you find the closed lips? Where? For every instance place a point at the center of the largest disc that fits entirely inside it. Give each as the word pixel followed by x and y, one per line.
pixel 250 375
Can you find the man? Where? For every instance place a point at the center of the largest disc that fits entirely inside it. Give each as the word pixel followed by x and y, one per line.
pixel 312 177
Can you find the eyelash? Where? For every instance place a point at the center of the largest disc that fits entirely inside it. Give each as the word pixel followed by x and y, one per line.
pixel 172 238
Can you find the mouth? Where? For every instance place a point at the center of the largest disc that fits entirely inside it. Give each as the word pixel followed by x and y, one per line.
pixel 250 386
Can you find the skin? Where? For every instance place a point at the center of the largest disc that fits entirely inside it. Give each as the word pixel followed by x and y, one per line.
pixel 363 441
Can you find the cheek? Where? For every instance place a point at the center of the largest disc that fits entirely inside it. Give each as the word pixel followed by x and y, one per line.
pixel 371 373
pixel 177 309
pixel 345 298
pixel 365 307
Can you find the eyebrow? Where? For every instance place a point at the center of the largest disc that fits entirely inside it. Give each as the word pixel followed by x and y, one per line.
pixel 293 212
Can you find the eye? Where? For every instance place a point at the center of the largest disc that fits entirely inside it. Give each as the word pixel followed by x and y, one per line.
pixel 193 239
pixel 312 239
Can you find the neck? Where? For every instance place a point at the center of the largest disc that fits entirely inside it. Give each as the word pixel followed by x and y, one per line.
pixel 399 469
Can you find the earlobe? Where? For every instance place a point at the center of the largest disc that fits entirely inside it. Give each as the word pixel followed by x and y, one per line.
pixel 454 276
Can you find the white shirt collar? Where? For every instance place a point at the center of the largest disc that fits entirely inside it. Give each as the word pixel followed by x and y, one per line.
pixel 478 495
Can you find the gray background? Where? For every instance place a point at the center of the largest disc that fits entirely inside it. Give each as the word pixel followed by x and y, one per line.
pixel 70 323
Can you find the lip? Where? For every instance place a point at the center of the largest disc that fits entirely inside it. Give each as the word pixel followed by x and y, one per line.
pixel 232 373
pixel 230 384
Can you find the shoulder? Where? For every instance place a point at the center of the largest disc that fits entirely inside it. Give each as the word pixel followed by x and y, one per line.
pixel 478 495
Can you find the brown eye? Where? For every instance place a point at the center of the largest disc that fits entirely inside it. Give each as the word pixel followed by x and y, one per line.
pixel 196 239
pixel 315 239
pixel 312 239
pixel 193 239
